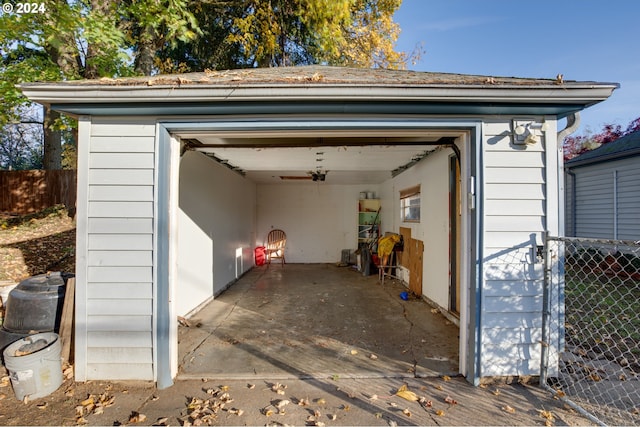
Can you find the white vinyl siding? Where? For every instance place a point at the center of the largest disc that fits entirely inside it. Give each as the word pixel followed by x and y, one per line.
pixel 119 241
pixel 514 205
pixel 597 188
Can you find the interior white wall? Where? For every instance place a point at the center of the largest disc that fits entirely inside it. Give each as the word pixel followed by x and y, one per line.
pixel 216 229
pixel 432 173
pixel 319 219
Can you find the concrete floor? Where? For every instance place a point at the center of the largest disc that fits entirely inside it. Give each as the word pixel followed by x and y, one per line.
pixel 316 321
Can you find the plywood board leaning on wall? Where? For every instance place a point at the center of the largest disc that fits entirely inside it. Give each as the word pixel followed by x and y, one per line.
pixel 416 249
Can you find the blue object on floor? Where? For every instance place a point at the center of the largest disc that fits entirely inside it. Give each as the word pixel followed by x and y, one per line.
pixel 404 295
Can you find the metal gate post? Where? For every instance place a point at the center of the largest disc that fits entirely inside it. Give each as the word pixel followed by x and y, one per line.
pixel 546 309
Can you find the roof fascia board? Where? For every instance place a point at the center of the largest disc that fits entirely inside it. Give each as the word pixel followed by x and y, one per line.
pixel 49 93
pixel 316 107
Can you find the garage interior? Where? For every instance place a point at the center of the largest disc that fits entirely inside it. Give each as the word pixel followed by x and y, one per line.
pixel 312 317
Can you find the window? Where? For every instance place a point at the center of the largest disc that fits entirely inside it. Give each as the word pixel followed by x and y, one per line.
pixel 410 204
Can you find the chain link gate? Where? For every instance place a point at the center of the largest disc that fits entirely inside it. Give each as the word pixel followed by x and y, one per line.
pixel 591 327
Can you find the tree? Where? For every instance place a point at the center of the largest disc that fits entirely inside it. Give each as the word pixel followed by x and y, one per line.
pixel 21 143
pixel 88 39
pixel 263 33
pixel 573 146
pixel 84 39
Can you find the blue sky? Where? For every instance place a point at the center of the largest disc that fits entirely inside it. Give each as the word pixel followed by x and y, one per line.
pixel 585 40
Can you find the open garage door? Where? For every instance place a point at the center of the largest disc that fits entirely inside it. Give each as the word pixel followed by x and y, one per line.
pixel 315 325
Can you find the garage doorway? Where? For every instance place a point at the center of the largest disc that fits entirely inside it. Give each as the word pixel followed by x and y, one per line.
pixel 238 140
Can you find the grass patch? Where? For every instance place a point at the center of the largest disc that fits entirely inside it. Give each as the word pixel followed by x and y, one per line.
pixel 602 312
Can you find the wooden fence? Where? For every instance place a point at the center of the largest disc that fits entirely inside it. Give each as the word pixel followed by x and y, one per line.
pixel 23 192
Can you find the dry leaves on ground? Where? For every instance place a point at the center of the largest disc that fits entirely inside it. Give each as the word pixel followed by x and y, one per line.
pixel 36 243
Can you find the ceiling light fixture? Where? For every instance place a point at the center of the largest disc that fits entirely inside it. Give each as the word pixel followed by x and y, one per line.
pixel 318 175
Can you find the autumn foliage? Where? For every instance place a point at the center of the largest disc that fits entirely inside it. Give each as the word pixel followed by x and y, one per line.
pixel 573 146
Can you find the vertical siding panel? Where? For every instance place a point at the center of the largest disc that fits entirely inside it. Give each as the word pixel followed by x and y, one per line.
pixel 514 196
pixel 119 198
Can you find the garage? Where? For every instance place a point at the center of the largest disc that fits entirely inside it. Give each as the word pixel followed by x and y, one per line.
pixel 181 177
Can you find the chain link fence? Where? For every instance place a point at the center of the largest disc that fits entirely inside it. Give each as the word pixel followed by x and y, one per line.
pixel 595 326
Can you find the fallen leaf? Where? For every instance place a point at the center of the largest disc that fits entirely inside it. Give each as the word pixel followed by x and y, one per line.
pixel 404 393
pixel 88 401
pixel 373 357
pixel 354 352
pixel 321 401
pixel 281 403
pixel 508 409
pixel 393 423
pixel 407 412
pixel 393 404
pixel 548 416
pixel 440 413
pixel 162 421
pixel 446 378
pixel 68 373
pixel 251 386
pixel 137 417
pixel 303 402
pixel 332 417
pixel 426 403
pixel 267 411
pixel 496 392
pixel 450 400
pixel 42 405
pixel 374 397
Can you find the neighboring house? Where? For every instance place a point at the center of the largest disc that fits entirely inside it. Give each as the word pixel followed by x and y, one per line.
pixel 180 177
pixel 603 191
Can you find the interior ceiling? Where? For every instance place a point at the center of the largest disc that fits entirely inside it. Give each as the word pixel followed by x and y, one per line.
pixel 343 160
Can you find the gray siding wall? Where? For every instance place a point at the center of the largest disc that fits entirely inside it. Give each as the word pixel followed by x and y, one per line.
pixel 514 204
pixel 569 218
pixel 607 200
pixel 115 326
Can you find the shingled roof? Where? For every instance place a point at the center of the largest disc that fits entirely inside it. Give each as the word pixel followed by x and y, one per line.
pixel 319 89
pixel 627 146
pixel 321 75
